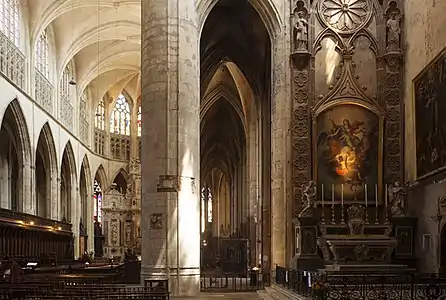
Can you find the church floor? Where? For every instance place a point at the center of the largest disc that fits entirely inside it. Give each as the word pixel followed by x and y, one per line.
pixel 223 296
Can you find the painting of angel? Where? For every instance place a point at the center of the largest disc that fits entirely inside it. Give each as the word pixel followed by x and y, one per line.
pixel 347 148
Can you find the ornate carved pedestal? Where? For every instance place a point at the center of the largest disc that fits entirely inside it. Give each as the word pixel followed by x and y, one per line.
pixel 404 232
pixel 307 257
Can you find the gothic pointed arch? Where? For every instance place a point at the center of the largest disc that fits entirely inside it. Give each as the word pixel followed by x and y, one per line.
pixel 68 183
pixel 121 179
pixel 101 177
pixel 15 156
pixel 46 205
pixel 85 187
pixel 265 8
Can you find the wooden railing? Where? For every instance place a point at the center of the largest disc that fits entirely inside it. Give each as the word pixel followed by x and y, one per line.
pixel 20 219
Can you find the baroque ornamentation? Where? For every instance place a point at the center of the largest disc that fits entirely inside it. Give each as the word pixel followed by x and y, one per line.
pixel 345 16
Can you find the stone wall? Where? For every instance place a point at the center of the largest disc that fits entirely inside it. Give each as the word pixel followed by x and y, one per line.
pixel 35 119
pixel 424 24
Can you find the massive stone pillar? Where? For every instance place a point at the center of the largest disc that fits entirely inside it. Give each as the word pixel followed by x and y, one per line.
pixel 170 145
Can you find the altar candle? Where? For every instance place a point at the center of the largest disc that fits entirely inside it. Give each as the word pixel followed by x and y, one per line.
pixel 322 192
pixel 365 194
pixel 342 195
pixel 332 195
pixel 376 194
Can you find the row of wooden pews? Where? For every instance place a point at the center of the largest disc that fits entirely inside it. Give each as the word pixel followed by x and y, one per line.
pixel 54 291
pixel 79 285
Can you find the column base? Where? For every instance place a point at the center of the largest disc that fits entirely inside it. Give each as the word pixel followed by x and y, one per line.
pixel 182 281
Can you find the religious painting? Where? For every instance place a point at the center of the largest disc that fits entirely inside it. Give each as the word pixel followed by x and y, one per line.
pixel 430 105
pixel 347 152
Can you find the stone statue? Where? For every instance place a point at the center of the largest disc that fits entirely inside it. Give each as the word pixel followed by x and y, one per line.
pixel 393 31
pixel 301 28
pixel 397 199
pixel 308 197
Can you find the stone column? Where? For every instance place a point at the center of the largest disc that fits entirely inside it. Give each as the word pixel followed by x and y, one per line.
pixel 170 145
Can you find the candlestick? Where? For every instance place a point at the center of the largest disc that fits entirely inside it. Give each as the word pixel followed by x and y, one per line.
pixel 376 194
pixel 366 207
pixel 376 208
pixel 322 192
pixel 365 194
pixel 332 205
pixel 323 206
pixel 386 218
pixel 342 204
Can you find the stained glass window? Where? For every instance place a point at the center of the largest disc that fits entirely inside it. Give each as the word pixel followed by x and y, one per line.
pixel 120 117
pixel 209 195
pixel 97 202
pixel 139 121
pixel 99 118
pixel 10 20
pixel 41 54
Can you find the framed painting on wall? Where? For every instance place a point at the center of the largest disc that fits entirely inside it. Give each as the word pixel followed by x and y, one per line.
pixel 347 151
pixel 430 123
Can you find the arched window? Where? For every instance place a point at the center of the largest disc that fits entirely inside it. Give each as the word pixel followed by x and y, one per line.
pixel 99 118
pixel 41 54
pixel 209 205
pixel 64 86
pixel 139 121
pixel 97 202
pixel 203 209
pixel 10 20
pixel 120 117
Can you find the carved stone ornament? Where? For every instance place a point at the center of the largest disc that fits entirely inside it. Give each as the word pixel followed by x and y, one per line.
pixel 134 165
pixel 361 252
pixel 345 16
pixel 156 221
pixel 168 183
pixel 356 219
pixel 308 199
pixel 397 199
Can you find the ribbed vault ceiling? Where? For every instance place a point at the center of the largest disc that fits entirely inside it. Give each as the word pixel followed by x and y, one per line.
pixel 235 56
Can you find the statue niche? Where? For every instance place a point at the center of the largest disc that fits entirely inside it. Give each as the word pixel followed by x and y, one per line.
pixel 300 29
pixel 393 40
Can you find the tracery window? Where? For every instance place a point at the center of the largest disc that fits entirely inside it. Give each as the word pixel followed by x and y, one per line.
pixel 139 121
pixel 64 86
pixel 41 54
pixel 83 119
pixel 10 20
pixel 120 117
pixel 99 118
pixel 97 202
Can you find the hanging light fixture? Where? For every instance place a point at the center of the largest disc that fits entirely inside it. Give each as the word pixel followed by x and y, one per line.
pixel 72 82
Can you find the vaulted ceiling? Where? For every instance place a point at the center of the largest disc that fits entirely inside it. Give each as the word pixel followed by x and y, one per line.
pixel 102 37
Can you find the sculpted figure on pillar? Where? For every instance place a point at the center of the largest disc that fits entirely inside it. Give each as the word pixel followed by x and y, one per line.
pixel 301 29
pixel 393 31
pixel 397 199
pixel 308 197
